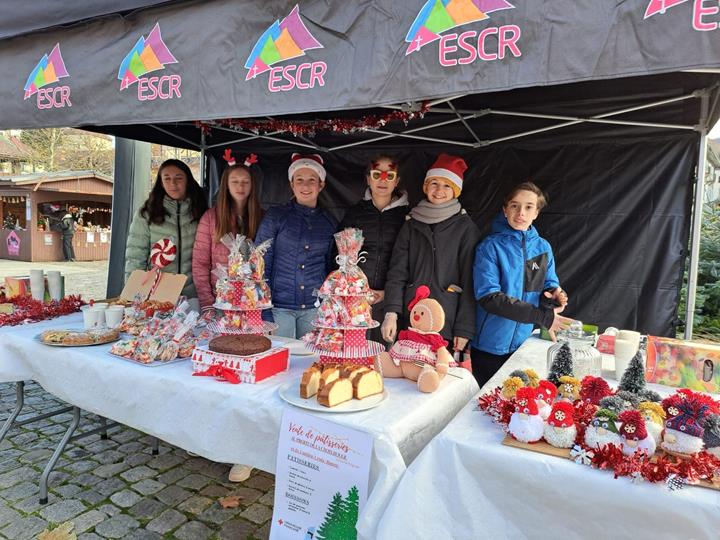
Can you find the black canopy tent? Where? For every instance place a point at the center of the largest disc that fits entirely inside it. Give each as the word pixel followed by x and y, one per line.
pixel 601 103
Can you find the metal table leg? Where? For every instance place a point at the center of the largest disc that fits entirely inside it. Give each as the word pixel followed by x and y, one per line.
pixel 103 425
pixel 155 446
pixel 11 420
pixel 56 455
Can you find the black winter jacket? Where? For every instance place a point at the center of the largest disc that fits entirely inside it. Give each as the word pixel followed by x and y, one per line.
pixel 380 229
pixel 437 256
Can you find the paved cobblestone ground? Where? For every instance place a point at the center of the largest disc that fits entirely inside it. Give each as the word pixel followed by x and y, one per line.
pixel 116 488
pixel 88 279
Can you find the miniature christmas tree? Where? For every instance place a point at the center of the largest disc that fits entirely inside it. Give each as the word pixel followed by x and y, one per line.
pixel 633 380
pixel 561 365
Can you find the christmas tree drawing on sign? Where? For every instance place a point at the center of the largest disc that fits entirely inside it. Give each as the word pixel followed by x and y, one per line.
pixel 341 517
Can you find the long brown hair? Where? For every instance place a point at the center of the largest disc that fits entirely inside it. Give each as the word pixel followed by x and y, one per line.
pixel 153 209
pixel 224 222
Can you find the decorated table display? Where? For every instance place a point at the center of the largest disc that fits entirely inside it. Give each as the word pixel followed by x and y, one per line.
pixel 24 309
pixel 344 313
pixel 516 493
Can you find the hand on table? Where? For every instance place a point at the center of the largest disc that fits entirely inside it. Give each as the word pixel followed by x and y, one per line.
pixel 389 327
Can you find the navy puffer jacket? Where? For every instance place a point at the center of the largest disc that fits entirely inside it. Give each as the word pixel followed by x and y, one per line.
pixel 297 262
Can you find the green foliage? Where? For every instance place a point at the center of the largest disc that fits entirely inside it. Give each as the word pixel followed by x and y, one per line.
pixel 707 299
pixel 341 517
pixel 562 364
pixel 633 380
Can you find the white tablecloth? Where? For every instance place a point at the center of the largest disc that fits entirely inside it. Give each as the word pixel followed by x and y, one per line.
pixel 466 484
pixel 224 422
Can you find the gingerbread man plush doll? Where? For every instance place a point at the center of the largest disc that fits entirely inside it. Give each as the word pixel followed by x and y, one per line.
pixel 420 353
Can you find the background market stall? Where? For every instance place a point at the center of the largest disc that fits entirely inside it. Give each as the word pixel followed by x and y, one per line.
pixel 37 202
pixel 605 104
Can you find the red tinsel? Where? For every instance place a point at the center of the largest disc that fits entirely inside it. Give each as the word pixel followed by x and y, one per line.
pixel 28 310
pixel 311 127
pixel 658 468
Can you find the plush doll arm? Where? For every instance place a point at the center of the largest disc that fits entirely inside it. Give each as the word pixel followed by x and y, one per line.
pixel 442 363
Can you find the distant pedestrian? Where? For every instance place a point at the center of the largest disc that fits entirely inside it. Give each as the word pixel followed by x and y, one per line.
pixel 67 227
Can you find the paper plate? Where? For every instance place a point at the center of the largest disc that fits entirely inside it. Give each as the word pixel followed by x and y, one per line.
pixel 104 342
pixel 290 392
pixel 295 346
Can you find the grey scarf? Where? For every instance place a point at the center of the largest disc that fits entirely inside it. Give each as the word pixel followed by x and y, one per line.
pixel 429 213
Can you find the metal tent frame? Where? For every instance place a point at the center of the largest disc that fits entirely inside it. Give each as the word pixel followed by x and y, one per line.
pixel 462 116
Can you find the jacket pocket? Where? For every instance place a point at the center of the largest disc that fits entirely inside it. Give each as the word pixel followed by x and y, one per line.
pixel 535 271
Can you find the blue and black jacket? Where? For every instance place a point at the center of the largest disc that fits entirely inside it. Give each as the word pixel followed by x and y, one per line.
pixel 512 270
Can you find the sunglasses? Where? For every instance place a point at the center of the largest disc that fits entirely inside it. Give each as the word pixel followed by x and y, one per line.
pixel 388 176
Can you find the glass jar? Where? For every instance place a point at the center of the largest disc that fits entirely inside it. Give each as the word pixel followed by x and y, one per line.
pixel 587 360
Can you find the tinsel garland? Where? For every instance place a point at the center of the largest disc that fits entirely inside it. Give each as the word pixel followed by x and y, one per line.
pixel 27 310
pixel 311 127
pixel 659 468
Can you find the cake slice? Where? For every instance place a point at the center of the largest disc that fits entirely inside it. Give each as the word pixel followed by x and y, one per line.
pixel 336 392
pixel 310 382
pixel 367 383
pixel 347 371
pixel 329 374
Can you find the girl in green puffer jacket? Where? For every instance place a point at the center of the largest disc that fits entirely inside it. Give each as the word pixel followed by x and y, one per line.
pixel 173 209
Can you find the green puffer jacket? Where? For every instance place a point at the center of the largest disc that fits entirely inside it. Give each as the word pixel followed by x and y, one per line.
pixel 178 226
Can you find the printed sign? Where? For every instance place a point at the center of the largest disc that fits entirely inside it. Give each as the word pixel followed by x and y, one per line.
pixel 48 239
pixel 13 244
pixel 282 41
pixel 150 54
pixel 90 238
pixel 49 70
pixel 103 238
pixel 321 481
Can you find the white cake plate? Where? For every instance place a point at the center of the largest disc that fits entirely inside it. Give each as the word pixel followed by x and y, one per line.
pixel 290 392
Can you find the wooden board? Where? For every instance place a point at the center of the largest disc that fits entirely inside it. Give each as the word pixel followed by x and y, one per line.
pixel 543 447
pixel 140 282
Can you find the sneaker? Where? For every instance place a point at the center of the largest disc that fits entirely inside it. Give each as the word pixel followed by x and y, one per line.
pixel 191 454
pixel 239 473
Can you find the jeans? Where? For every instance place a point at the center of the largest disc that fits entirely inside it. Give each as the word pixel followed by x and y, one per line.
pixel 294 323
pixel 67 246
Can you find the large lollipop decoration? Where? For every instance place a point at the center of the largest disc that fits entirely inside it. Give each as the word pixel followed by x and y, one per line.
pixel 162 253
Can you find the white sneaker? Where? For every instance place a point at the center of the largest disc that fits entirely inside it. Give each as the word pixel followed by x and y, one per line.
pixel 191 454
pixel 239 473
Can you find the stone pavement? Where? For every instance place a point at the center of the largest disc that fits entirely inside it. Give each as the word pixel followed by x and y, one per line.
pixel 88 279
pixel 116 488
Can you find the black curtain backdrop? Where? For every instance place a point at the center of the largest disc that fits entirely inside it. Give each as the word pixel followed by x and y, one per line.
pixel 617 218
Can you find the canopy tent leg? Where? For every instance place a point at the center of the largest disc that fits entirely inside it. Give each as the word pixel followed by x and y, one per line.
pixel 697 212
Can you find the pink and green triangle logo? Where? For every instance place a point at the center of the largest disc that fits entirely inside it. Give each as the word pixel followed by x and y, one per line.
pixel 660 6
pixel 438 16
pixel 149 54
pixel 50 69
pixel 282 40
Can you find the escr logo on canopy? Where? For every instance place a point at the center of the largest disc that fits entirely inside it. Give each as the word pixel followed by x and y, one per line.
pixel 285 40
pixel 705 15
pixel 50 69
pixel 150 54
pixel 490 44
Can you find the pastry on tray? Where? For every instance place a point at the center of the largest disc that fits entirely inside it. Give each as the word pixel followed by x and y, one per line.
pixel 240 345
pixel 334 384
pixel 336 392
pixel 367 383
pixel 77 338
pixel 310 382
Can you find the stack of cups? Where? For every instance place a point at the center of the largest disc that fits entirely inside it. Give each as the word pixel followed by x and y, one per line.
pixel 627 343
pixel 94 316
pixel 114 316
pixel 54 284
pixel 37 284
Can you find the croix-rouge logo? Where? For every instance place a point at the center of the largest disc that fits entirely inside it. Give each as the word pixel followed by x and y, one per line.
pixel 702 12
pixel 148 55
pixel 438 16
pixel 49 70
pixel 284 40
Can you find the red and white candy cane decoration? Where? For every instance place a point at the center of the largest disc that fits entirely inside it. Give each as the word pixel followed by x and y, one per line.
pixel 162 253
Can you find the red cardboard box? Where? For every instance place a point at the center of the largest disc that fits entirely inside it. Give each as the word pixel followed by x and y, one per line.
pixel 606 344
pixel 249 369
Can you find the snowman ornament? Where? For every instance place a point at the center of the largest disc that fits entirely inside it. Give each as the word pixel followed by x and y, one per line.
pixel 560 430
pixel 634 434
pixel 526 425
pixel 602 430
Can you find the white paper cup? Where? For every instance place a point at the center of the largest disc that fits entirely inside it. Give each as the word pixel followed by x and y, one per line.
pixel 114 316
pixel 37 284
pixel 624 351
pixel 100 317
pixel 631 336
pixel 101 305
pixel 90 317
pixel 54 284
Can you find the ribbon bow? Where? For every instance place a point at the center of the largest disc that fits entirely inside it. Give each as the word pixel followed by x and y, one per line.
pixel 220 373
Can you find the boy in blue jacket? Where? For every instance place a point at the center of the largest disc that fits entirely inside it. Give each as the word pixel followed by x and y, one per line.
pixel 514 270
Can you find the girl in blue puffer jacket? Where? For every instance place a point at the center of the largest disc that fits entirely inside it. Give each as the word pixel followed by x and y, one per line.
pixel 297 262
pixel 514 270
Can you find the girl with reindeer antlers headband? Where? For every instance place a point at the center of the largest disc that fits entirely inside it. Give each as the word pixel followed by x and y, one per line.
pixel 237 211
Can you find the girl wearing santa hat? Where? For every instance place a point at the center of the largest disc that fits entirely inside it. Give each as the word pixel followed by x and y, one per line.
pixel 514 270
pixel 435 247
pixel 380 215
pixel 297 261
pixel 237 211
pixel 171 213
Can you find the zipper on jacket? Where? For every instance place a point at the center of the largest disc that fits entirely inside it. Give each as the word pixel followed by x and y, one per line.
pixel 522 294
pixel 378 244
pixel 179 241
